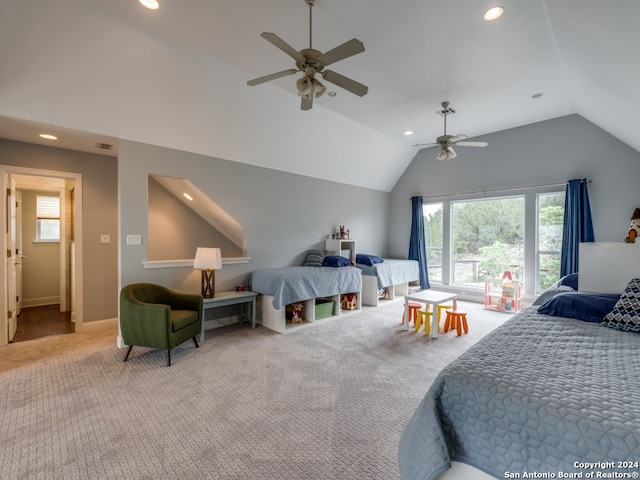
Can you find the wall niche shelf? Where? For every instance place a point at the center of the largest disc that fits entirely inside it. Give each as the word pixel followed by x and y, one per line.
pixel 148 264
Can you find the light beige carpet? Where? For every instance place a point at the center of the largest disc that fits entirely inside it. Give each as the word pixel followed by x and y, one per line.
pixel 327 402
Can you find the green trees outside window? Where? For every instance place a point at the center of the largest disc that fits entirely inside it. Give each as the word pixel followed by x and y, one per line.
pixel 485 237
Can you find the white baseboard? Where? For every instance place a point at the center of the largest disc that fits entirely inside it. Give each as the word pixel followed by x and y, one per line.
pixel 99 325
pixel 40 302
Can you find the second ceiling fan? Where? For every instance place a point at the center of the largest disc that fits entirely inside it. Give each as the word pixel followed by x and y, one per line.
pixel 311 62
pixel 447 142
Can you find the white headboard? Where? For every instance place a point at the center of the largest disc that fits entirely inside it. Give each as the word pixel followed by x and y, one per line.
pixel 607 267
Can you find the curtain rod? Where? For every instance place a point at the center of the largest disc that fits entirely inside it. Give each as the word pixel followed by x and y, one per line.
pixel 510 189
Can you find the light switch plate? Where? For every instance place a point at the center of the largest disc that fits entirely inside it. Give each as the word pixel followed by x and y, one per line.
pixel 134 239
pixel 105 238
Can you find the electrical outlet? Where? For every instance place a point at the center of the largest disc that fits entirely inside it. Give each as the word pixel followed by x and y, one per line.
pixel 134 239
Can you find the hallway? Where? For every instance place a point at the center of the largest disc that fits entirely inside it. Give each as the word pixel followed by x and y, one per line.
pixel 45 321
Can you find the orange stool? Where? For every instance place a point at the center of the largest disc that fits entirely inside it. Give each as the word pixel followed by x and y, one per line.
pixel 456 319
pixel 413 311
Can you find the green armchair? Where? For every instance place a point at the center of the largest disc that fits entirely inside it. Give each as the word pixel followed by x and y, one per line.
pixel 157 317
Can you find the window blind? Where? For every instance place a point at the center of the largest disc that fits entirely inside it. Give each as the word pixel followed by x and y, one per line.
pixel 47 207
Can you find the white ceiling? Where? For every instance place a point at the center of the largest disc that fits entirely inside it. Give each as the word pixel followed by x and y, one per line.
pixel 105 70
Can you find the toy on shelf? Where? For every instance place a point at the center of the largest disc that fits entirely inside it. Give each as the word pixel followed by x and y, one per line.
pixel 634 227
pixel 502 294
pixel 295 310
pixel 344 233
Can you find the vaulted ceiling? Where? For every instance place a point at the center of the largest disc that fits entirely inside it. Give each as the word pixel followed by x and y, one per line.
pixel 106 70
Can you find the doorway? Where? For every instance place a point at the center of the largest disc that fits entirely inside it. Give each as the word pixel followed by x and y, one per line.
pixel 41 276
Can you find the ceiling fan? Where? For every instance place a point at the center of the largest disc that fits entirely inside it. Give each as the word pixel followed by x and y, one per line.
pixel 311 62
pixel 447 142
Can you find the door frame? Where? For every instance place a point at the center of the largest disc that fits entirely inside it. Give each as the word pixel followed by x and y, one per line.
pixel 77 283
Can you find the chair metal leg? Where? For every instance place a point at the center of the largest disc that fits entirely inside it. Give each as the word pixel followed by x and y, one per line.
pixel 168 357
pixel 128 352
pixel 195 340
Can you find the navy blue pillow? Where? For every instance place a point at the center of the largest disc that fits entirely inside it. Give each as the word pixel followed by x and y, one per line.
pixel 336 261
pixel 570 280
pixel 589 307
pixel 366 259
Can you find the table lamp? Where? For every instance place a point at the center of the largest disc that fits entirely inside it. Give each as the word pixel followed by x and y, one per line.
pixel 208 260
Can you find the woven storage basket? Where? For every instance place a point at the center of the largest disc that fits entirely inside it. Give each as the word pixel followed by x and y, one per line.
pixel 324 309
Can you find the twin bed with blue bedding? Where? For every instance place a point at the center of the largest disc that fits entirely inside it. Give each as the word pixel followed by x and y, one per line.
pixel 295 284
pixel 387 276
pixel 279 287
pixel 542 394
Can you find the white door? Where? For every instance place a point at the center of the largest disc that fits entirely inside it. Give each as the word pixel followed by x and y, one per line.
pixel 12 314
pixel 19 255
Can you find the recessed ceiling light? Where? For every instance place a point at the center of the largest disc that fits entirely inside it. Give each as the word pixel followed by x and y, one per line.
pixel 48 136
pixel 150 4
pixel 408 132
pixel 331 94
pixel 493 13
pixel 187 196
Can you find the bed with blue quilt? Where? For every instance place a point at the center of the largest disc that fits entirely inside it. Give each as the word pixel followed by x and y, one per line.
pixel 553 389
pixel 279 287
pixel 295 284
pixel 385 277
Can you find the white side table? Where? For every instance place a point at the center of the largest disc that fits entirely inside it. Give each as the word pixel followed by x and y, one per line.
pixel 246 300
pixel 429 297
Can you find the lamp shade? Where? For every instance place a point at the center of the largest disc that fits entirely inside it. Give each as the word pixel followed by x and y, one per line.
pixel 208 259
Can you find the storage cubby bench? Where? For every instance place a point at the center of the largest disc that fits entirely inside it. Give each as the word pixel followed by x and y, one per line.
pixel 276 319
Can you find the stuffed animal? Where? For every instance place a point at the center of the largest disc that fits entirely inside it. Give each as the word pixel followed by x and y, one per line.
pixel 297 312
pixel 634 228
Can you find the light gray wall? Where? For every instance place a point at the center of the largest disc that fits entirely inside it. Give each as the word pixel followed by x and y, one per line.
pixel 542 153
pixel 284 214
pixel 176 231
pixel 41 262
pixel 99 203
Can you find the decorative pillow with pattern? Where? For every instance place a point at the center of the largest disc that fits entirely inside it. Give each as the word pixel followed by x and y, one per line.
pixel 626 313
pixel 315 258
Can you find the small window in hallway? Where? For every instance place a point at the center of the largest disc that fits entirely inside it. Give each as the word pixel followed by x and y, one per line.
pixel 47 218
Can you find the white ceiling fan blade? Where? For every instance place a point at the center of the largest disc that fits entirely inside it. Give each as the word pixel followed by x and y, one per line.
pixel 346 50
pixel 425 144
pixel 273 76
pixel 457 138
pixel 282 45
pixel 472 144
pixel 345 82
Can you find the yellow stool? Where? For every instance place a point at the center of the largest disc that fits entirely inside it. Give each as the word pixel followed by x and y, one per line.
pixel 423 316
pixel 427 315
pixel 456 319
pixel 413 309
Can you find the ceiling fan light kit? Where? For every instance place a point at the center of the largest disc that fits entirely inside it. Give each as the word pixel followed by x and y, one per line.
pixel 311 62
pixel 447 142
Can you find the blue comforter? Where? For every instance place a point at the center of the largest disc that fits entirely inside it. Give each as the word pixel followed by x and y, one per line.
pixel 392 271
pixel 536 395
pixel 295 284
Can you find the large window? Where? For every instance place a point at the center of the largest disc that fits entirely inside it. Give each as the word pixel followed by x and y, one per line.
pixel 550 216
pixel 471 239
pixel 434 234
pixel 488 238
pixel 47 218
